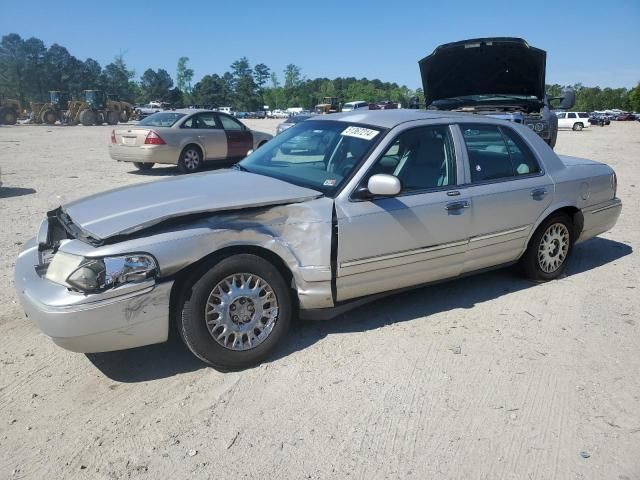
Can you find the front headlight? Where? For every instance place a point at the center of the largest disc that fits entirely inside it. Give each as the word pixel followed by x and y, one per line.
pixel 92 275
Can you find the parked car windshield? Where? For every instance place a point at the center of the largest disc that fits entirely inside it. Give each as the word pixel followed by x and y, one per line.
pixel 317 154
pixel 161 119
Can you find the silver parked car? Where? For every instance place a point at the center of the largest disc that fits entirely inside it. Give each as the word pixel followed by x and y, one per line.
pixel 394 199
pixel 184 138
pixel 290 122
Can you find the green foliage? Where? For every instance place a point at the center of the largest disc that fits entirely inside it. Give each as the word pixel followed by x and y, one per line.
pixel 589 99
pixel 184 75
pixel 155 85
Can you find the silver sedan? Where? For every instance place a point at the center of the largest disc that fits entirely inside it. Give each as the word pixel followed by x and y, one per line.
pixel 388 200
pixel 184 138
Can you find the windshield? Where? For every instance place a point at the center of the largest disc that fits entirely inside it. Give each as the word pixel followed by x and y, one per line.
pixel 161 119
pixel 315 154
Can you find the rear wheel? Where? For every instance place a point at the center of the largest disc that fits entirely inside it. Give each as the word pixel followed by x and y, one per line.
pixel 236 313
pixel 549 249
pixel 190 159
pixel 578 126
pixel 8 116
pixel 87 118
pixel 143 166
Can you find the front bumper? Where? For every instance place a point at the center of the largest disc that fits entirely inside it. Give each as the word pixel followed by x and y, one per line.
pixel 126 317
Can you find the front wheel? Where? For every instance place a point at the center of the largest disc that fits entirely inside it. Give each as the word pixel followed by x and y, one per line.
pixel 237 312
pixel 8 117
pixel 190 160
pixel 88 118
pixel 577 127
pixel 549 249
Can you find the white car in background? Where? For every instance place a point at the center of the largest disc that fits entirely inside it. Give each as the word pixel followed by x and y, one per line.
pixel 358 105
pixel 573 120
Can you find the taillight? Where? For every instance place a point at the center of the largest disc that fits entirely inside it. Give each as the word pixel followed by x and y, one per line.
pixel 113 136
pixel 153 139
pixel 614 184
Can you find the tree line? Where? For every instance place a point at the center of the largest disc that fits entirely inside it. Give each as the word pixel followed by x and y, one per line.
pixel 29 70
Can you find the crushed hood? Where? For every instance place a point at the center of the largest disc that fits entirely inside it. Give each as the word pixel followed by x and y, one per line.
pixel 129 209
pixel 482 66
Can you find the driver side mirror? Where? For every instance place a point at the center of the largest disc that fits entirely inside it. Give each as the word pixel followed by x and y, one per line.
pixel 380 185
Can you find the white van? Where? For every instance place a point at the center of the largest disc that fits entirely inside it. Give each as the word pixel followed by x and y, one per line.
pixel 358 105
pixel 228 110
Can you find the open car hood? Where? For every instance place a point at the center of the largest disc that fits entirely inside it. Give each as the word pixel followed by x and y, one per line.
pixel 130 209
pixel 482 66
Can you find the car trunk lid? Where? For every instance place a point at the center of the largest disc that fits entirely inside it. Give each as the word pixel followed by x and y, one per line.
pixel 501 65
pixel 131 136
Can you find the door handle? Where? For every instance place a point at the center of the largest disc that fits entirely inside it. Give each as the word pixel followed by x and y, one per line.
pixel 454 206
pixel 539 192
pixel 453 193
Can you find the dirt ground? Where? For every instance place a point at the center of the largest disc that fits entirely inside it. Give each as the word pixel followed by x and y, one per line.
pixel 482 378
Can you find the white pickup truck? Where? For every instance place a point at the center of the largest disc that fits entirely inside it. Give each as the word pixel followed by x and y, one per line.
pixel 573 120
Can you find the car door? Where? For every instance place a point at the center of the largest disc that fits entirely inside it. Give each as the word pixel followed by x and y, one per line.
pixel 509 191
pixel 415 237
pixel 571 119
pixel 239 137
pixel 208 133
pixel 562 120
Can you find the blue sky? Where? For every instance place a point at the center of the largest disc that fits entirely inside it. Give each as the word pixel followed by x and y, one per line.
pixel 592 42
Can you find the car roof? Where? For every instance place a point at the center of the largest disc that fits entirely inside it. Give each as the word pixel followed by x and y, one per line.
pixel 391 118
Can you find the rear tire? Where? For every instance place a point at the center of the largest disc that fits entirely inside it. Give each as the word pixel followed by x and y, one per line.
pixel 577 127
pixel 190 159
pixel 258 314
pixel 112 118
pixel 87 118
pixel 143 166
pixel 549 249
pixel 8 116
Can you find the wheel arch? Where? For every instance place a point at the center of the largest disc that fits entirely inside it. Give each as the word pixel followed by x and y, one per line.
pixel 188 275
pixel 577 219
pixel 193 143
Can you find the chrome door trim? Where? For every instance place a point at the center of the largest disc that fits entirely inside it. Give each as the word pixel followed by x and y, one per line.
pixel 498 234
pixel 406 253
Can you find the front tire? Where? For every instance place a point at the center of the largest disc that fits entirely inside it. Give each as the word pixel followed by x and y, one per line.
pixel 143 166
pixel 87 118
pixel 237 312
pixel 49 117
pixel 577 127
pixel 190 160
pixel 549 249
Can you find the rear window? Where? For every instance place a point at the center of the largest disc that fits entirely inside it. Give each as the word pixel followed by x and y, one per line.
pixel 583 115
pixel 161 119
pixel 496 153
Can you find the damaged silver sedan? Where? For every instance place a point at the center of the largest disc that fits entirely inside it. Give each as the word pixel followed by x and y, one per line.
pixel 333 212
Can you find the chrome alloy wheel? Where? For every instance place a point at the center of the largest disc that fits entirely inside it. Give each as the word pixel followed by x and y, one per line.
pixel 191 160
pixel 241 311
pixel 553 248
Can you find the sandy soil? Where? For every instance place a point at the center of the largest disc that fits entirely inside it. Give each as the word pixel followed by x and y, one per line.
pixel 487 377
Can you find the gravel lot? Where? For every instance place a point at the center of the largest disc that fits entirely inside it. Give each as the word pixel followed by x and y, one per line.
pixel 486 377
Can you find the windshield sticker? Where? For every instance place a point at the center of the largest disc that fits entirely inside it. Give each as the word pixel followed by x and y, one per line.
pixel 360 132
pixel 330 182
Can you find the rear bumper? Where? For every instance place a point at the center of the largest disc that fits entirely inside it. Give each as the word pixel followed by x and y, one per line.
pixel 144 154
pixel 116 320
pixel 600 218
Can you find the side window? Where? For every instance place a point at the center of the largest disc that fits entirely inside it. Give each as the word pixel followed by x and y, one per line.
pixel 488 153
pixel 229 123
pixel 562 115
pixel 583 115
pixel 203 120
pixel 421 158
pixel 522 159
pixel 189 123
pixel 571 115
